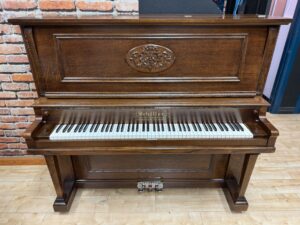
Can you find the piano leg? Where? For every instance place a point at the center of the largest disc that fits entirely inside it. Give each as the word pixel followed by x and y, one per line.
pixel 62 174
pixel 238 174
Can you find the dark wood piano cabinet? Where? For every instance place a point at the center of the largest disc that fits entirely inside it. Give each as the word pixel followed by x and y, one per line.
pixel 159 67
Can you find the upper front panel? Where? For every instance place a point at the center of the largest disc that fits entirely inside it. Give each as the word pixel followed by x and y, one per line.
pixel 153 61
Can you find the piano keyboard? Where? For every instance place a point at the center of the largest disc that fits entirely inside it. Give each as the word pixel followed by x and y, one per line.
pixel 151 131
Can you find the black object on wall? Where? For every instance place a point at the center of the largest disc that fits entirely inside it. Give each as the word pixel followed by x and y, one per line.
pixel 202 6
pixel 261 7
pixel 285 96
pixel 178 7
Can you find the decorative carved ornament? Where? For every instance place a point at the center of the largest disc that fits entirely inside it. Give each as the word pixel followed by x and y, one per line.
pixel 150 58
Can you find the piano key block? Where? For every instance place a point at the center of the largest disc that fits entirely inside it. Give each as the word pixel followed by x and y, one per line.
pixel 150 102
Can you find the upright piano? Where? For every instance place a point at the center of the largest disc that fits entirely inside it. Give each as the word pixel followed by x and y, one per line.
pixel 150 102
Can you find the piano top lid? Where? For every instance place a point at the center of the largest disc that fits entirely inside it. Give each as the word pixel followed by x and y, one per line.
pixel 151 20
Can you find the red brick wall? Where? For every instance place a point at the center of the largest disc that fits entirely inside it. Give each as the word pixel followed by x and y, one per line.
pixel 17 89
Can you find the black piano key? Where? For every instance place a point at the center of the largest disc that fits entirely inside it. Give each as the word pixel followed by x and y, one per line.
pixel 77 127
pixel 218 122
pixel 107 126
pixel 136 126
pixel 128 128
pixel 173 126
pixel 132 125
pixel 66 128
pixel 209 126
pixel 194 126
pixel 144 126
pixel 203 123
pixel 231 122
pixel 111 127
pixel 183 126
pixel 85 127
pixel 59 127
pixel 81 127
pixel 212 124
pixel 220 126
pixel 235 126
pixel 225 127
pixel 239 125
pixel 119 126
pixel 103 127
pixel 97 127
pixel 198 126
pixel 122 126
pixel 230 125
pixel 148 126
pixel 162 126
pixel 207 121
pixel 187 126
pixel 179 126
pixel 154 127
pixel 158 128
pixel 169 126
pixel 70 128
pixel 205 127
pixel 228 121
pixel 234 122
pixel 92 127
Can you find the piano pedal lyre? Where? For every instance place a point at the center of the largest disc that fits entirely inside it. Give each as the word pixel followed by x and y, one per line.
pixel 150 185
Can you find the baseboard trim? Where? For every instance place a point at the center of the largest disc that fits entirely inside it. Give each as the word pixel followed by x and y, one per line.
pixel 21 160
pixel 287 110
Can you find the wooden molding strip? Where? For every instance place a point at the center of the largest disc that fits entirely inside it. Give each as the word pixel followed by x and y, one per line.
pixel 22 160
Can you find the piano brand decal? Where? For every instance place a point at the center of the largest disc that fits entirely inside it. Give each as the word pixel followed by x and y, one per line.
pixel 150 58
pixel 151 115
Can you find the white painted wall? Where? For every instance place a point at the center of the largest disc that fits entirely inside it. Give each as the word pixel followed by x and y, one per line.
pixel 282 36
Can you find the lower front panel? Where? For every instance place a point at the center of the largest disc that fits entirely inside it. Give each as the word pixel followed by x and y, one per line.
pixel 132 168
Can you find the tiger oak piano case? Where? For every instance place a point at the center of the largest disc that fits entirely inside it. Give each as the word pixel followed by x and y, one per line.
pixel 153 65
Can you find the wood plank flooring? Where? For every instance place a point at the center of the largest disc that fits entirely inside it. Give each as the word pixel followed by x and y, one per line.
pixel 27 194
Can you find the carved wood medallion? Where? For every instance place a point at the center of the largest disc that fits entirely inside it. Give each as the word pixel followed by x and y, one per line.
pixel 150 58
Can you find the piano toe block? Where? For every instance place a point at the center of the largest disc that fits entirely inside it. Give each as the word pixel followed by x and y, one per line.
pixel 64 204
pixel 236 203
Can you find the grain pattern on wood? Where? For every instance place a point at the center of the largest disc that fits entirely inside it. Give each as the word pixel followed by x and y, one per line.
pixel 107 66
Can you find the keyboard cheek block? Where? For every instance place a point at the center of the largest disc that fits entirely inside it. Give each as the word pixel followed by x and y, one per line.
pixel 150 102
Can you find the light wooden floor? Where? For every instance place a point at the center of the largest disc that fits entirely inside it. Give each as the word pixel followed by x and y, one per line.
pixel 26 195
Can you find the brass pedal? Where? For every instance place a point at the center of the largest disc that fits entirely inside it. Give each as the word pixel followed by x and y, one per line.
pixel 150 186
